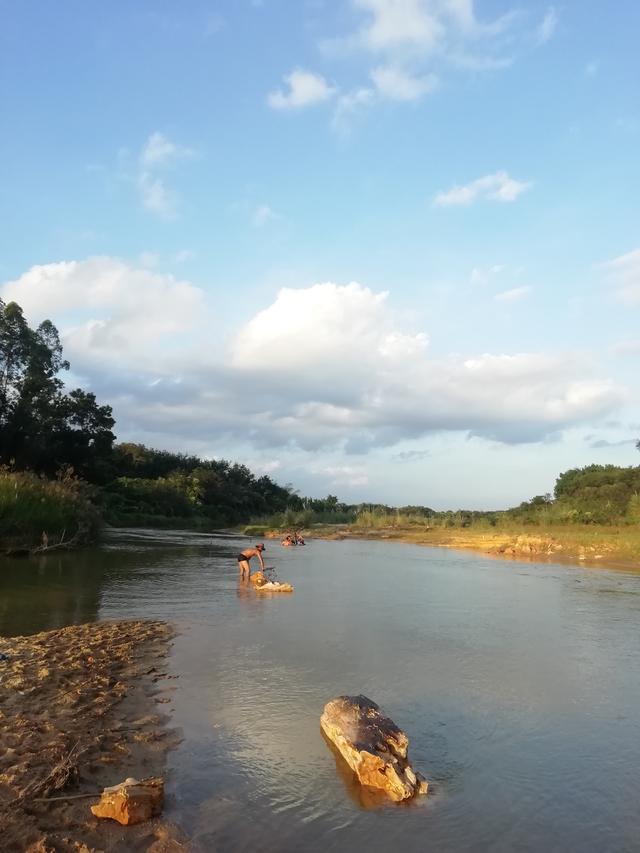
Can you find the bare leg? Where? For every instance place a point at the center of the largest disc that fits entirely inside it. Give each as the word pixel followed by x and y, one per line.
pixel 244 567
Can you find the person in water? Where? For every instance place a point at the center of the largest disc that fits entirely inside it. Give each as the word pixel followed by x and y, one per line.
pixel 245 556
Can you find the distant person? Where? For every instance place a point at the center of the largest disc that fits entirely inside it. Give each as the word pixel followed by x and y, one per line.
pixel 287 541
pixel 245 556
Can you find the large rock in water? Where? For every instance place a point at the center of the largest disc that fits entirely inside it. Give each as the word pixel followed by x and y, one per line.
pixel 372 745
pixel 263 584
pixel 131 801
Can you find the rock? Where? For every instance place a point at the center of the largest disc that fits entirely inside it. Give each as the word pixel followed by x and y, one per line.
pixel 372 745
pixel 274 586
pixel 131 801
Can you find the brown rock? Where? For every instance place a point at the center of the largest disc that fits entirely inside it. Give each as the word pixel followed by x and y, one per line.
pixel 131 801
pixel 372 745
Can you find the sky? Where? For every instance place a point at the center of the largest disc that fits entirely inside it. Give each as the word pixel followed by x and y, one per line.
pixel 387 249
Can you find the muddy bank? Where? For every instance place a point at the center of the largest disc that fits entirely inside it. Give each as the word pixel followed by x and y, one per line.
pixel 81 708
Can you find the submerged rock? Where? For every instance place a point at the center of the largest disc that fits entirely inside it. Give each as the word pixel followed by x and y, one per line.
pixel 131 801
pixel 373 746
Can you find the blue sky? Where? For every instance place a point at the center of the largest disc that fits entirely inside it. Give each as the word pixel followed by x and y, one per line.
pixel 384 248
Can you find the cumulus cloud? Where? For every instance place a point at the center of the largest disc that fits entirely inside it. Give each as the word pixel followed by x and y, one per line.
pixel 496 187
pixel 399 85
pixel 624 273
pixel 513 295
pixel 304 88
pixel 112 313
pixel 393 23
pixel 324 366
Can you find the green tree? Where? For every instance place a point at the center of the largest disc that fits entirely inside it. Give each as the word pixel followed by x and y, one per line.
pixel 41 427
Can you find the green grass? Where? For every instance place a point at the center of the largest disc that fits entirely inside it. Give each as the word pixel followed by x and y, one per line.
pixel 31 505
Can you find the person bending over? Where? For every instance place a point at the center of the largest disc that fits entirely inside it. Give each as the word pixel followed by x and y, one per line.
pixel 245 556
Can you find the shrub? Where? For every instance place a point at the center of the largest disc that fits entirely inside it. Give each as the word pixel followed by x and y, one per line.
pixel 31 506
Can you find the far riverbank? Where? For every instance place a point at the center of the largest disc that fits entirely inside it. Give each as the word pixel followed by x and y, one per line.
pixel 582 544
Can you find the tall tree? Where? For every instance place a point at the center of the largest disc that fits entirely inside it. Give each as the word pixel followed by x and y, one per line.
pixel 42 427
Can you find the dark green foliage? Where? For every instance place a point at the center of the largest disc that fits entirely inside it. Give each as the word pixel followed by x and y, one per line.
pixel 42 428
pixel 149 483
pixel 598 494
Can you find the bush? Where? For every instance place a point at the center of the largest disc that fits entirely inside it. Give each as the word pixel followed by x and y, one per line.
pixel 31 505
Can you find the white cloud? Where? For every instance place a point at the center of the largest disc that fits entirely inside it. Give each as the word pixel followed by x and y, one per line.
pixel 513 295
pixel 160 151
pixel 111 312
pixel 414 43
pixel 156 197
pixel 393 23
pixel 419 30
pixel 624 273
pixel 324 366
pixel 304 89
pixel 547 26
pixel 397 84
pixel 496 187
pixel 183 256
pixel 324 314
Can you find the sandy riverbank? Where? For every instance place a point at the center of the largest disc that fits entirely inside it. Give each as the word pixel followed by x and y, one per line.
pixel 611 547
pixel 80 709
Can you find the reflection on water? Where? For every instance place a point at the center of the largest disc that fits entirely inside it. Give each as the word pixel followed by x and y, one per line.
pixel 518 685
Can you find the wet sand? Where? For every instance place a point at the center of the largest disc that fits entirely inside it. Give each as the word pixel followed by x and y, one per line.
pixel 81 708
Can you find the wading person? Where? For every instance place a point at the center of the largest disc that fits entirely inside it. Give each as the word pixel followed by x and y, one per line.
pixel 245 556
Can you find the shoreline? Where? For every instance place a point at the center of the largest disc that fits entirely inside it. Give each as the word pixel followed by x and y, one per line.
pixel 80 711
pixel 599 549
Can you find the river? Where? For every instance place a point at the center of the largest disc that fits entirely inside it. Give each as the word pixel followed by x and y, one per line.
pixel 518 685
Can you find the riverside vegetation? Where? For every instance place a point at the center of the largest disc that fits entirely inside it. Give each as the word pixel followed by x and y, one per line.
pixel 62 474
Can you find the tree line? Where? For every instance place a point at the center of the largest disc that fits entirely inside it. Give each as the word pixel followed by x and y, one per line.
pixel 58 447
pixel 59 458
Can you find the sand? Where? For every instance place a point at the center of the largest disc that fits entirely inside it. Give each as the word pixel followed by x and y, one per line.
pixel 82 708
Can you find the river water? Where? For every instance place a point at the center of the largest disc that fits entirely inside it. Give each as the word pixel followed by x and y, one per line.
pixel 518 685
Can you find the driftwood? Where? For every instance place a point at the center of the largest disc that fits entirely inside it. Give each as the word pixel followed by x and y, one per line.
pixel 59 776
pixel 62 545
